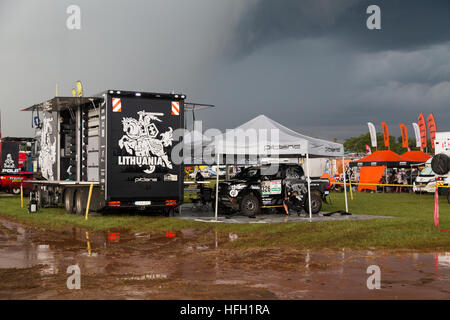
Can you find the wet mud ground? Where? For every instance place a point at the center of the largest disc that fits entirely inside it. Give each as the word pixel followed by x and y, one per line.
pixel 194 264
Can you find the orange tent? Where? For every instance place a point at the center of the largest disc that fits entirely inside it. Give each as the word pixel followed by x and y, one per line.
pixel 370 175
pixel 418 156
pixel 382 158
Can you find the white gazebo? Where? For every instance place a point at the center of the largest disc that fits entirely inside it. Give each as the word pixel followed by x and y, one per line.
pixel 263 137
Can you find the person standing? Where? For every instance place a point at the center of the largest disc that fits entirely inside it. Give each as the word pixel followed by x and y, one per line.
pixel 398 180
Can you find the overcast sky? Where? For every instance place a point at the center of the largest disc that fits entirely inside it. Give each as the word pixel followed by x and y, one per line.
pixel 311 65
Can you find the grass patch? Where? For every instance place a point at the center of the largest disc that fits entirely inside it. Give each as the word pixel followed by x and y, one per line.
pixel 411 228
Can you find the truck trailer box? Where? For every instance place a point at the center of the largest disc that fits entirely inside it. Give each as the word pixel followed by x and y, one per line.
pixel 118 141
pixel 138 139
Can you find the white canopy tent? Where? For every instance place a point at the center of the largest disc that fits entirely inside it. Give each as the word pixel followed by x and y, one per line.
pixel 264 137
pixel 194 143
pixel 286 143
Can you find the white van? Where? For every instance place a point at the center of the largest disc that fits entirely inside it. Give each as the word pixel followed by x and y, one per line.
pixel 425 177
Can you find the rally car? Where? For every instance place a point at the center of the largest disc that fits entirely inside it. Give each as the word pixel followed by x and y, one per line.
pixel 258 187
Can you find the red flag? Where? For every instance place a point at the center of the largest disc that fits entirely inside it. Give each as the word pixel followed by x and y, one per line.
pixel 432 128
pixel 404 132
pixel 368 150
pixel 385 134
pixel 423 131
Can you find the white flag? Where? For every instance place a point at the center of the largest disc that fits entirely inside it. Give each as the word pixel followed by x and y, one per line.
pixel 373 134
pixel 417 134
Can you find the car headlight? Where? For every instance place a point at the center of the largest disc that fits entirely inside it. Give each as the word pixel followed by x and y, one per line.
pixel 233 193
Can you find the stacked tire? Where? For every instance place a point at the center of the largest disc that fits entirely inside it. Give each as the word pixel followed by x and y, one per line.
pixel 441 165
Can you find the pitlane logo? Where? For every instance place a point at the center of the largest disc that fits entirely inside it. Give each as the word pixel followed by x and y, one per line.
pixel 142 144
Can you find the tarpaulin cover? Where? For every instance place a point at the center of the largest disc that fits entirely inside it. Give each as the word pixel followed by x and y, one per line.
pixel 370 175
pixel 339 165
pixel 416 156
pixel 327 176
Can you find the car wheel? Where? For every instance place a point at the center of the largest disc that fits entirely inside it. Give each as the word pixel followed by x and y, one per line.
pixel 68 201
pixel 15 191
pixel 79 205
pixel 316 203
pixel 250 205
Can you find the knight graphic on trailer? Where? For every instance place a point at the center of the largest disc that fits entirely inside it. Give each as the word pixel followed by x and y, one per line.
pixel 142 144
pixel 47 155
pixel 9 162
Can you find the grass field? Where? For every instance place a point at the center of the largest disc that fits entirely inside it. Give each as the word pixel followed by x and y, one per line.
pixel 411 228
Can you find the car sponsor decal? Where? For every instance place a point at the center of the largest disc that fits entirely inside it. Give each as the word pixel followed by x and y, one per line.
pixel 270 187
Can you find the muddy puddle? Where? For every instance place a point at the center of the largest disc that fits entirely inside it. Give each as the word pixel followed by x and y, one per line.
pixel 192 264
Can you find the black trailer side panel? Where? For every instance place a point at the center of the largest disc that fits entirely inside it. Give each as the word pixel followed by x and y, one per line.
pixel 9 157
pixel 48 153
pixel 139 142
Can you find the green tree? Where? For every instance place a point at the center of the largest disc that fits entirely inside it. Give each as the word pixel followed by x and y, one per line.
pixel 358 144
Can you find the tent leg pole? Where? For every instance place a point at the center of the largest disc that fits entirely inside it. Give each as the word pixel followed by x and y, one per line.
pixel 217 189
pixel 345 185
pixel 309 186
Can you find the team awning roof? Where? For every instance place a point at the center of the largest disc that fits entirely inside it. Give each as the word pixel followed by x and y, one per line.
pixel 386 158
pixel 419 156
pixel 285 143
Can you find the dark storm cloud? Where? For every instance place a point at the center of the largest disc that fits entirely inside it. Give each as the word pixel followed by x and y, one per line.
pixel 311 65
pixel 405 24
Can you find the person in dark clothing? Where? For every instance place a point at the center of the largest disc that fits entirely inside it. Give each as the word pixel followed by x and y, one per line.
pixel 199 176
pixel 201 186
pixel 291 202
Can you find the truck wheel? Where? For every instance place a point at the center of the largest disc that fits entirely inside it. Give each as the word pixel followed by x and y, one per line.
pixel 316 203
pixel 169 212
pixel 68 201
pixel 79 205
pixel 250 205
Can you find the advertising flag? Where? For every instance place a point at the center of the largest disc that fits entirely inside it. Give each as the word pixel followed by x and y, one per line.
pixel 385 134
pixel 423 131
pixel 432 128
pixel 373 134
pixel 417 134
pixel 404 132
pixel 79 89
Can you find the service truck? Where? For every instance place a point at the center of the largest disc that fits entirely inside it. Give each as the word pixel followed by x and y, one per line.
pixel 440 163
pixel 119 142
